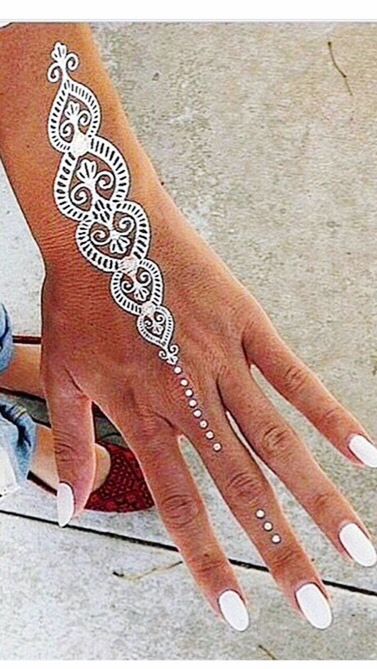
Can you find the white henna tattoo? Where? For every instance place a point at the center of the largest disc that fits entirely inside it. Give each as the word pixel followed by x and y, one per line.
pixel 91 188
pixel 113 232
pixel 267 526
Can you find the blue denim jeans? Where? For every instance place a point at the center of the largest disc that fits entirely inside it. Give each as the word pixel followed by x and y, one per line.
pixel 17 429
pixel 6 342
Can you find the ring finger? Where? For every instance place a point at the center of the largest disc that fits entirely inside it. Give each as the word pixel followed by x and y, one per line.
pixel 253 502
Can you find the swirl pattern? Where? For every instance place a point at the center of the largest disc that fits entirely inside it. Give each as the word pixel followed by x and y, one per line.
pixel 113 233
pixel 91 188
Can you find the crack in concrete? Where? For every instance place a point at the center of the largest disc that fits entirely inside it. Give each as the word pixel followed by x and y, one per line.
pixel 374 368
pixel 342 74
pixel 140 577
pixel 348 587
pixel 267 652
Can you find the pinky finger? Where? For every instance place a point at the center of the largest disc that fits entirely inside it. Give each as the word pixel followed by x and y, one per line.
pixel 293 379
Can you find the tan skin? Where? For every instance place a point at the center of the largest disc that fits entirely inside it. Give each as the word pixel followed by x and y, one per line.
pixel 93 353
pixel 23 375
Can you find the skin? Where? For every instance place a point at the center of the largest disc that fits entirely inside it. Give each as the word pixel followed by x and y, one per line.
pixel 44 463
pixel 23 375
pixel 93 353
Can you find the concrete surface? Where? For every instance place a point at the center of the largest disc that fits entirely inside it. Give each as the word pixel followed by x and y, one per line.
pixel 270 152
pixel 83 596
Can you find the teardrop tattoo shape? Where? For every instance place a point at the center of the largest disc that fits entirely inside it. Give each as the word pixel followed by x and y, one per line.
pixel 113 232
pixel 91 188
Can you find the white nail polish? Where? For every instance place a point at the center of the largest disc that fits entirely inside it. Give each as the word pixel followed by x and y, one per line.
pixel 358 545
pixel 65 503
pixel 364 450
pixel 314 606
pixel 234 610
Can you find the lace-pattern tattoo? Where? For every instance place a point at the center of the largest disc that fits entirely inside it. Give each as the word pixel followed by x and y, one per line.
pixel 113 233
pixel 91 188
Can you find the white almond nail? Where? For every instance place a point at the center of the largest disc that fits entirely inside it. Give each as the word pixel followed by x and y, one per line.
pixel 358 545
pixel 314 606
pixel 65 504
pixel 364 450
pixel 234 610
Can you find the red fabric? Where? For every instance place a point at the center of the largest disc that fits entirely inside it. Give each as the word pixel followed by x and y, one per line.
pixel 123 490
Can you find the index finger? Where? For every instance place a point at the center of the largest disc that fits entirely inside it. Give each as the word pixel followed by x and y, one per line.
pixel 184 514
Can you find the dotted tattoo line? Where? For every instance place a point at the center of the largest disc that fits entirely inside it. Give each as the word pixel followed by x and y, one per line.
pixel 216 445
pixel 196 410
pixel 268 526
pixel 113 233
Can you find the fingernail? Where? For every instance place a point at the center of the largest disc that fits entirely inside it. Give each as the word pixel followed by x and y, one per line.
pixel 65 503
pixel 234 610
pixel 358 545
pixel 314 606
pixel 364 450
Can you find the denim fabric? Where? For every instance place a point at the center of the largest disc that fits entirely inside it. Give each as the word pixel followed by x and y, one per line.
pixel 17 429
pixel 6 342
pixel 17 438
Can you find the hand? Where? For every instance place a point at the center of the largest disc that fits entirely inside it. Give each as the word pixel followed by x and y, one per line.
pixel 93 352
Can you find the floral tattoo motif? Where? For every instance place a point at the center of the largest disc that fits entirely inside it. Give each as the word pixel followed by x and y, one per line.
pixel 91 188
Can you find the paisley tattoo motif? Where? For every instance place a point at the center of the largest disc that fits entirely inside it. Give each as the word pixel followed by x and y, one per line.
pixel 91 188
pixel 113 232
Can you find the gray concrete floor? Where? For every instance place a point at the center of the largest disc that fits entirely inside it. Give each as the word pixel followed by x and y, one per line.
pixel 270 152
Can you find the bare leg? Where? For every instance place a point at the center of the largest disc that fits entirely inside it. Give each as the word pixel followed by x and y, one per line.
pixel 23 373
pixel 23 376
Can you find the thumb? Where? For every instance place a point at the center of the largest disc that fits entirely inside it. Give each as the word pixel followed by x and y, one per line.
pixel 73 433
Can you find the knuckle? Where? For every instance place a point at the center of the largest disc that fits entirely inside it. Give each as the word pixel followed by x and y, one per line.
pixel 243 311
pixel 287 558
pixel 331 416
pixel 322 502
pixel 207 562
pixel 149 426
pixel 244 487
pixel 64 448
pixel 296 378
pixel 179 510
pixel 276 440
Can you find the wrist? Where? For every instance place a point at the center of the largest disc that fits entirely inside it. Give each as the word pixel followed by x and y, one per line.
pixel 31 160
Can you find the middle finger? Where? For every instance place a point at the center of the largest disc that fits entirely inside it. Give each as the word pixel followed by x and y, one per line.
pixel 253 502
